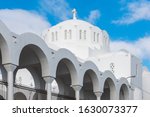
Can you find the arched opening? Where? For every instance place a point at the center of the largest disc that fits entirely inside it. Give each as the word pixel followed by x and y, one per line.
pixel 87 91
pixel 1 98
pixel 29 71
pixel 64 76
pixel 24 78
pixel 24 81
pixel 3 82
pixel 0 66
pixel 109 90
pixel 0 74
pixel 3 90
pixel 124 92
pixel 1 79
pixel 3 73
pixel 1 40
pixel 19 96
pixel 5 58
pixel 3 54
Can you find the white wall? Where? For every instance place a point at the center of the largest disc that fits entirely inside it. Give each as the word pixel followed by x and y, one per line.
pixel 121 62
pixel 146 84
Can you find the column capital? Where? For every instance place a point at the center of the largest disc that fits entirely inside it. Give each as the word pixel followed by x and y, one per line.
pixel 10 67
pixel 76 87
pixel 48 79
pixel 98 94
pixel 10 72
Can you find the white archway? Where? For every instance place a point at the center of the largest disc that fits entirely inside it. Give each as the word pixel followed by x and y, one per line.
pixel 70 60
pixel 124 92
pixel 34 46
pixel 64 79
pixel 89 75
pixel 123 89
pixel 109 86
pixel 36 62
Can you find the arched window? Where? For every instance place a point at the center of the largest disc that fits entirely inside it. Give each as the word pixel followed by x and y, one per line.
pixel 104 40
pixel 94 36
pixel 70 34
pixel 52 36
pixel 98 37
pixel 65 34
pixel 136 70
pixel 80 34
pixel 56 34
pixel 84 34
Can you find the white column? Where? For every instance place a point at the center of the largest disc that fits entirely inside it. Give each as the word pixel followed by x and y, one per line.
pixel 48 80
pixel 77 89
pixel 10 79
pixel 98 95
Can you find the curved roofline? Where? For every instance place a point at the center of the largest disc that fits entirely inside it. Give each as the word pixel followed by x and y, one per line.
pixel 76 20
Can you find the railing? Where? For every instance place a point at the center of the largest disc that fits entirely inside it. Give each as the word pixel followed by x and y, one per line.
pixel 38 90
pixel 3 82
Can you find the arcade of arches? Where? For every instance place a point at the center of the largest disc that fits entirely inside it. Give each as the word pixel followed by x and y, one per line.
pixel 30 70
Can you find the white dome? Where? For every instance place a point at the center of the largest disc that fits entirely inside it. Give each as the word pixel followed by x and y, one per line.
pixel 78 36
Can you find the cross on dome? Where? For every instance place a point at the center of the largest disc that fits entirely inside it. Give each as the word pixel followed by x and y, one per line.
pixel 74 14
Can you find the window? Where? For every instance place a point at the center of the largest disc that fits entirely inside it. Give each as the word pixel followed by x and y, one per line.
pixel 65 34
pixel 98 37
pixel 56 35
pixel 80 34
pixel 136 70
pixel 70 34
pixel 52 36
pixel 84 34
pixel 105 41
pixel 94 37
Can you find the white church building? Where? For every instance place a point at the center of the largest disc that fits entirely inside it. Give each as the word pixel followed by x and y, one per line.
pixel 72 61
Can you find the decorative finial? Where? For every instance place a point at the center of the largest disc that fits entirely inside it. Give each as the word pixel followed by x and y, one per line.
pixel 74 13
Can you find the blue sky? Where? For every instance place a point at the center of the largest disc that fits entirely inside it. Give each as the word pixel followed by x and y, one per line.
pixel 126 21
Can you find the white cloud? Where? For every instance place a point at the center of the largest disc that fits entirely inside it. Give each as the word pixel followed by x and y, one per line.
pixel 93 16
pixel 62 10
pixel 139 10
pixel 140 48
pixel 21 21
pixel 57 8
